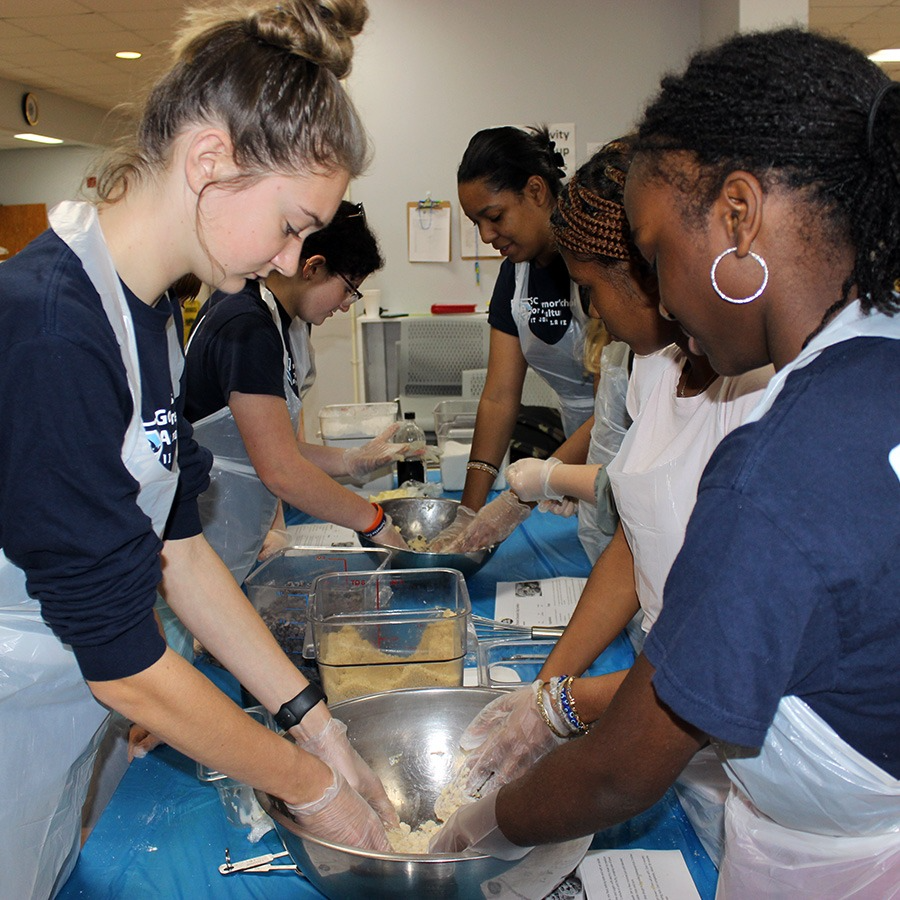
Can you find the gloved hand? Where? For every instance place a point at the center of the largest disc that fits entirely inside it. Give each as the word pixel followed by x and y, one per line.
pixel 506 739
pixel 341 815
pixel 363 461
pixel 530 479
pixel 474 827
pixel 389 536
pixel 565 507
pixel 331 746
pixel 141 742
pixel 464 518
pixel 276 539
pixel 492 524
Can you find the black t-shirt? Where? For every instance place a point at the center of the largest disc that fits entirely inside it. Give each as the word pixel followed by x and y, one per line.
pixel 235 346
pixel 548 288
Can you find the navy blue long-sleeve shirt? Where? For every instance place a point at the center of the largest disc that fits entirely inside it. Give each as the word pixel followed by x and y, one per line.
pixel 68 505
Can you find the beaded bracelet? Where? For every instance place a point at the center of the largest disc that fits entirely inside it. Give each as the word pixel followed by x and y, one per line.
pixel 568 706
pixel 379 522
pixel 482 466
pixel 544 714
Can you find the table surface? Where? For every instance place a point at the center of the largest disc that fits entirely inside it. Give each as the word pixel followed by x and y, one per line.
pixel 164 833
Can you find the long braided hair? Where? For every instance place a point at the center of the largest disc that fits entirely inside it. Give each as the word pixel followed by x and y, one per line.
pixel 804 111
pixel 589 219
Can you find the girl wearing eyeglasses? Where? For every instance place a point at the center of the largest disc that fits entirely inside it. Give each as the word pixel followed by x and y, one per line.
pixel 249 364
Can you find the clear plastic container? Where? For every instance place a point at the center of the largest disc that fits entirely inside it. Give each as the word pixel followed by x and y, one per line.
pixel 352 421
pixel 280 589
pixel 454 420
pixel 384 631
pixel 511 662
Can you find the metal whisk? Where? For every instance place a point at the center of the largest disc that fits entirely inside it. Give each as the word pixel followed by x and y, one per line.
pixel 487 628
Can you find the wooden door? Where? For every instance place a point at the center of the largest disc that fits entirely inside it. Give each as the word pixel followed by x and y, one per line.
pixel 20 224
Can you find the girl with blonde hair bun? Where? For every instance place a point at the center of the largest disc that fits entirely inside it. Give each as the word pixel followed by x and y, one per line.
pixel 243 148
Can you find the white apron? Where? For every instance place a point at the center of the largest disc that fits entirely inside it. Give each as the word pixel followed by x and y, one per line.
pixel 237 509
pixel 655 477
pixel 597 521
pixel 50 723
pixel 561 364
pixel 809 816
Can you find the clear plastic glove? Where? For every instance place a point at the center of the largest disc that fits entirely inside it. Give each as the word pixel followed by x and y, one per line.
pixel 474 827
pixel 343 816
pixel 464 518
pixel 276 539
pixel 141 742
pixel 492 524
pixel 530 479
pixel 566 507
pixel 505 740
pixel 331 746
pixel 389 536
pixel 362 461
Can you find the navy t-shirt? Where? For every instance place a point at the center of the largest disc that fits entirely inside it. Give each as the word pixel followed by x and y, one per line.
pixel 68 506
pixel 235 346
pixel 548 288
pixel 788 582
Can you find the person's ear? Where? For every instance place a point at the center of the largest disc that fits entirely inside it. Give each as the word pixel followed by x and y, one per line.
pixel 538 191
pixel 314 265
pixel 738 210
pixel 209 158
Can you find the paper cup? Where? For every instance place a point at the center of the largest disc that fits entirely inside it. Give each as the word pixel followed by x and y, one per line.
pixel 371 302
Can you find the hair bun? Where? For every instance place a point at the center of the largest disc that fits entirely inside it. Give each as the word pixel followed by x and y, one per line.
pixel 321 32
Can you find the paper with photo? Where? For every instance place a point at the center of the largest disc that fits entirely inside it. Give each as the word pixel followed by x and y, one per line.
pixel 637 875
pixel 548 601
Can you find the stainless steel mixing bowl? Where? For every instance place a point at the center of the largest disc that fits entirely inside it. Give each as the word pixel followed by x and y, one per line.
pixel 410 738
pixel 428 516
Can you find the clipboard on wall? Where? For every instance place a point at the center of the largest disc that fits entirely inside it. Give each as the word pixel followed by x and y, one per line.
pixel 428 230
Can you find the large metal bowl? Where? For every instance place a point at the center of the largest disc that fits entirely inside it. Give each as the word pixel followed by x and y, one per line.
pixel 410 738
pixel 428 516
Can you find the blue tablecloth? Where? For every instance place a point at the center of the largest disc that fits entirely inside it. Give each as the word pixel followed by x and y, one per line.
pixel 164 833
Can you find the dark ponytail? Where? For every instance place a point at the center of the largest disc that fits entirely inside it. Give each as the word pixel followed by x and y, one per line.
pixel 507 157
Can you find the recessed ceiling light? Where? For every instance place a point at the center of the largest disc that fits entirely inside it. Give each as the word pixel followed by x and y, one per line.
pixel 892 54
pixel 38 138
pixel 128 54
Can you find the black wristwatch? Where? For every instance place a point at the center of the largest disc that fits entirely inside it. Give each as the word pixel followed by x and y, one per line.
pixel 294 710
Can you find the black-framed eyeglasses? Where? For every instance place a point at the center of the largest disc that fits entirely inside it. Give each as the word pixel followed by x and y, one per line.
pixel 354 292
pixel 359 211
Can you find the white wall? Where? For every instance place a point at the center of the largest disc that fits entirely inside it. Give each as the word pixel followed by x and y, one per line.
pixel 43 175
pixel 428 74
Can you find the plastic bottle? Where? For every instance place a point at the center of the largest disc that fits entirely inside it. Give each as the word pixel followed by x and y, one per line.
pixel 410 469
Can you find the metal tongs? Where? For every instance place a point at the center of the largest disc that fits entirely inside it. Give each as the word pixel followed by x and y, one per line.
pixel 257 865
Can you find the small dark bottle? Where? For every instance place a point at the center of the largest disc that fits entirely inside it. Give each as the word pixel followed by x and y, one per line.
pixel 408 433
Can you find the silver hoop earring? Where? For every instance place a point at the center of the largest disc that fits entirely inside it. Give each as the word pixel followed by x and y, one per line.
pixel 721 293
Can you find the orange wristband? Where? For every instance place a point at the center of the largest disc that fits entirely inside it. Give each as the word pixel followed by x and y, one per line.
pixel 377 523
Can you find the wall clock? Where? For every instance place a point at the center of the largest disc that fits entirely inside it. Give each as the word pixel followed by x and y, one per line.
pixel 30 108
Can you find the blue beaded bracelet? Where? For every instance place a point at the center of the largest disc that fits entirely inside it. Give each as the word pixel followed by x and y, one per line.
pixel 568 706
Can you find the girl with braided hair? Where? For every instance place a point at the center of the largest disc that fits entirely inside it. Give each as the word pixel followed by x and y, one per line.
pixel 508 182
pixel 244 147
pixel 681 410
pixel 766 195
